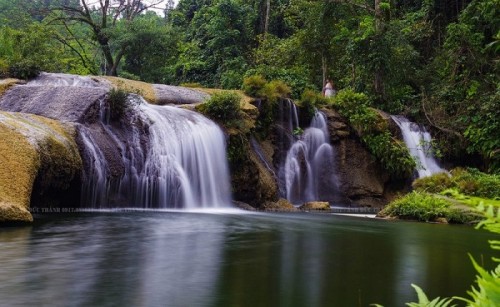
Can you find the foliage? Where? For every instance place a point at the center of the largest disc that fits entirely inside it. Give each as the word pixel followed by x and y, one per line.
pixel 24 70
pixel 118 103
pixel 253 85
pixel 310 101
pixel 433 184
pixel 436 60
pixel 419 206
pixel 467 181
pixel 274 90
pixel 223 107
pixel 423 301
pixel 391 152
pixel 473 182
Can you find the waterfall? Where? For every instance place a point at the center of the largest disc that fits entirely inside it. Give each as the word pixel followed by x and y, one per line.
pixel 154 157
pixel 309 165
pixel 418 141
pixel 183 166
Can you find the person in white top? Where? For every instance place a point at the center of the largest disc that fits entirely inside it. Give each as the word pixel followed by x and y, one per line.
pixel 329 90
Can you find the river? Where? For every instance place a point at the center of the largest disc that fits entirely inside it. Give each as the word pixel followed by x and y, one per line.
pixel 231 258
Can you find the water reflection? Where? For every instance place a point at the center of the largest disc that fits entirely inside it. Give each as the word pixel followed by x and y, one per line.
pixel 195 259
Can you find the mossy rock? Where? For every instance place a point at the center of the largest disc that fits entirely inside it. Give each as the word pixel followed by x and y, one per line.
pixel 5 84
pixel 33 149
pixel 282 205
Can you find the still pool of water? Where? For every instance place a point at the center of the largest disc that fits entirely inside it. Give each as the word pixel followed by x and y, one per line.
pixel 229 259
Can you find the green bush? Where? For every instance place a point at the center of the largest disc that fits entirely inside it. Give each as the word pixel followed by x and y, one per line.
pixel 223 107
pixel 253 85
pixel 118 103
pixel 473 182
pixel 433 184
pixel 310 101
pixel 419 206
pixel 274 90
pixel 24 70
pixel 468 181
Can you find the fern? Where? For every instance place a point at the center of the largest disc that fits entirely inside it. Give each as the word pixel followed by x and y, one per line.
pixel 487 292
pixel 423 301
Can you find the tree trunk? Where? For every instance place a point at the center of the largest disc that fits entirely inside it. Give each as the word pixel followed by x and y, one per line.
pixel 324 68
pixel 378 80
pixel 266 20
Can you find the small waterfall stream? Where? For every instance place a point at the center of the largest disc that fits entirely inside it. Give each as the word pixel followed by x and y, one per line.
pixel 309 165
pixel 418 141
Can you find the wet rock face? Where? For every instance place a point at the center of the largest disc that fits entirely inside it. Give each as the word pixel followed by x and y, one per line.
pixel 362 180
pixel 73 104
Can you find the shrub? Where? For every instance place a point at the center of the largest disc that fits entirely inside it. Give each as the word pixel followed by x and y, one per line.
pixel 473 182
pixel 118 103
pixel 310 101
pixel 433 184
pixel 274 90
pixel 253 85
pixel 419 206
pixel 223 107
pixel 350 103
pixel 24 70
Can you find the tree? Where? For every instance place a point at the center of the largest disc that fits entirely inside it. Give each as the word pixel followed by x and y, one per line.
pixel 103 18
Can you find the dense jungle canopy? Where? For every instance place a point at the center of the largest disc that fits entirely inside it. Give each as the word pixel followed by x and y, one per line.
pixel 436 61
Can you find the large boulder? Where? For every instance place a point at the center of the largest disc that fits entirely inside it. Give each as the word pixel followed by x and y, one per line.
pixel 55 97
pixel 361 178
pixel 37 156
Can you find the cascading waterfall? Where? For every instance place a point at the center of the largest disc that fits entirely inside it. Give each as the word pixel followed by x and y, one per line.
pixel 309 165
pixel 184 166
pixel 154 157
pixel 418 141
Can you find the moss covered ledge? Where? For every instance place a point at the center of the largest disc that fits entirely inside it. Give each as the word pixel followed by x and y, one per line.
pixel 33 147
